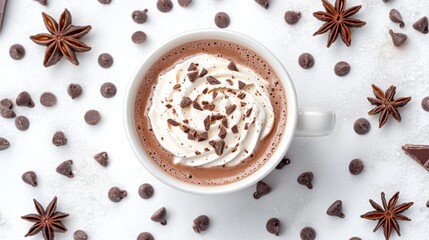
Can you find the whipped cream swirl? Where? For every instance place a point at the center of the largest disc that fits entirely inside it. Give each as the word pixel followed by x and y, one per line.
pixel 208 111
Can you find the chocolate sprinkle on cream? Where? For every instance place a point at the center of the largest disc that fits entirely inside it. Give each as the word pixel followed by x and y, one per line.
pixel 232 66
pixel 177 86
pixel 192 134
pixel 172 122
pixel 262 189
pixel 185 102
pixel 241 96
pixel 234 129
pixel 218 146
pixel 203 72
pixel 185 129
pixel 196 105
pixel 222 132
pixel 230 109
pixel 241 85
pixel 192 67
pixel 248 112
pixel 230 82
pixel 207 123
pixel 212 80
pixel 225 122
pixel 202 136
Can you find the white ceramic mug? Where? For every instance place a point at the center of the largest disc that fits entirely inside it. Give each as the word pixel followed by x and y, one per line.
pixel 300 121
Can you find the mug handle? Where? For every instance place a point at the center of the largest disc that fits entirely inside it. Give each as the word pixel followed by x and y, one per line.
pixel 314 122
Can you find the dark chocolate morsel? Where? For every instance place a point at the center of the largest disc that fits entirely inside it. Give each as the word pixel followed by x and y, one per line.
pixel 356 166
pixel 146 191
pixel 306 179
pixel 201 223
pixel 273 226
pixel 116 194
pixel 159 216
pixel 262 189
pixel 336 209
pixel 30 178
pixel 65 169
pixel 222 20
pixel 308 233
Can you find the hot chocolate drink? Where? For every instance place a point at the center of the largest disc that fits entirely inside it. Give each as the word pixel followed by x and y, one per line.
pixel 210 112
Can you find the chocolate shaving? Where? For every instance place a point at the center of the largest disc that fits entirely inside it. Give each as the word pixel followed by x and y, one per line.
pixel 246 126
pixel 168 106
pixel 192 67
pixel 185 129
pixel 197 153
pixel 212 80
pixel 230 108
pixel 185 121
pixel 241 95
pixel 185 102
pixel 241 84
pixel 206 149
pixel 229 81
pixel 209 107
pixel 192 76
pixel 214 95
pixel 243 104
pixel 207 123
pixel 203 72
pixel 196 105
pixel 206 90
pixel 232 66
pixel 219 146
pixel 177 86
pixel 218 116
pixel 204 102
pixel 248 112
pixel 172 122
pixel 202 136
pixel 225 122
pixel 222 132
pixel 212 143
pixel 192 134
pixel 234 129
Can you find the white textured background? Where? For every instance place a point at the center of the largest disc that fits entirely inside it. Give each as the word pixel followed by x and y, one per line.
pixel 235 216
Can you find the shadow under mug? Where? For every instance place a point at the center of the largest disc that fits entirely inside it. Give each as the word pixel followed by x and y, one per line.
pixel 300 121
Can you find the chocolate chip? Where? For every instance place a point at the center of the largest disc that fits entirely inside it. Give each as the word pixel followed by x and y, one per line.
pixel 192 67
pixel 159 216
pixel 262 189
pixel 241 95
pixel 207 123
pixel 306 60
pixel 229 81
pixel 225 122
pixel 203 72
pixel 222 20
pixel 219 146
pixel 230 109
pixel 17 52
pixel 361 126
pixel 263 3
pixel 22 123
pixel 92 117
pixel 196 105
pixel 184 3
pixel 241 85
pixel 425 104
pixel 48 99
pixel 218 116
pixel 209 107
pixel 139 16
pixel 74 90
pixel 192 134
pixel 306 179
pixel 231 66
pixel 185 102
pixel 336 209
pixel 202 136
pixel 6 104
pixel 273 226
pixel 24 99
pixel 246 126
pixel 292 17
pixel 105 60
pixel 248 112
pixel 59 139
pixel 342 69
pixel 145 236
pixel 185 129
pixel 356 166
pixel 65 168
pixel 177 86
pixel 192 76
pixel 212 80
pixel 201 223
pixel 421 25
pixel 397 38
pixel 386 0
pixel 164 5
pixel 355 238
pixel 146 191
pixel 30 178
pixel 104 1
pixel 80 235
pixel 427 204
pixel 138 37
pixel 4 144
pixel 43 2
pixel 102 158
pixel 282 163
pixel 308 233
pixel 108 90
pixel 172 122
pixel 116 194
pixel 396 17
pixel 222 132
pixel 234 129
pixel 7 113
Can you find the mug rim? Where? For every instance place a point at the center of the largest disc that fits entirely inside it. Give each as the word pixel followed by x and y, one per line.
pixel 210 34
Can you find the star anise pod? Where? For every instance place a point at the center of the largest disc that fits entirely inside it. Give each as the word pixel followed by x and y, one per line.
pixel 48 221
pixel 388 215
pixel 62 40
pixel 338 21
pixel 386 105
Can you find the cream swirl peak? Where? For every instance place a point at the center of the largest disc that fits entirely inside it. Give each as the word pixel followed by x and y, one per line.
pixel 208 111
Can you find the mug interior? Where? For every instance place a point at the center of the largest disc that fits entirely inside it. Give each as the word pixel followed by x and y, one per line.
pixel 211 34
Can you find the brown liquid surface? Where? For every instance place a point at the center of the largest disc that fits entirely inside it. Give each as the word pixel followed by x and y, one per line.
pixel 214 175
